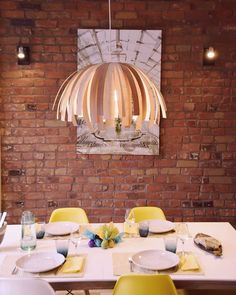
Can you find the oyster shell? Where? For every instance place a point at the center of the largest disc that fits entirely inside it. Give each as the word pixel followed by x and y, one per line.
pixel 208 243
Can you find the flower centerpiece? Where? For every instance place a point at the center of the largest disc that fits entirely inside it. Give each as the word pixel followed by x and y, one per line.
pixel 106 236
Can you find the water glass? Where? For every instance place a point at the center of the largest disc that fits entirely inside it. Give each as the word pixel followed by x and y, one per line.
pixel 130 227
pixel 171 243
pixel 183 234
pixel 28 232
pixel 62 246
pixel 129 216
pixel 40 230
pixel 75 239
pixel 143 229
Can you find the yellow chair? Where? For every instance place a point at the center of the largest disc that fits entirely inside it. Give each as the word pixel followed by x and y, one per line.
pixel 144 285
pixel 72 214
pixel 145 213
pixel 69 214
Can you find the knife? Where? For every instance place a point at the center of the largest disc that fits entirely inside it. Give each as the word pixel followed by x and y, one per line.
pixel 3 216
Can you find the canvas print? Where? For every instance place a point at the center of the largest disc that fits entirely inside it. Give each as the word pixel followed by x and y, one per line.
pixel 141 48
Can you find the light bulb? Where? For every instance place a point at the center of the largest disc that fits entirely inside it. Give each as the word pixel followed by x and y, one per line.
pixel 20 53
pixel 210 53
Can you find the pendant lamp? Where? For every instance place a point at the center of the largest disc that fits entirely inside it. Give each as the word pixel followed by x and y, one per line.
pixel 103 93
pixel 110 94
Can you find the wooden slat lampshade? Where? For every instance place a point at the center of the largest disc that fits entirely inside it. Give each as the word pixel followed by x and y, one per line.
pixel 104 92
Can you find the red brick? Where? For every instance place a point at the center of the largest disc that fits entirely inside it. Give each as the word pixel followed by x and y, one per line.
pixel 116 172
pixel 185 163
pixel 151 171
pixel 122 164
pixel 214 171
pixel 170 171
pixel 126 15
pixel 165 163
pixel 225 139
pixel 9 5
pixel 189 107
pixel 46 147
pixel 221 179
pixel 137 172
pixel 178 179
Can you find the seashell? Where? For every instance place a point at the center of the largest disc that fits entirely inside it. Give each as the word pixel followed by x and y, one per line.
pixel 208 243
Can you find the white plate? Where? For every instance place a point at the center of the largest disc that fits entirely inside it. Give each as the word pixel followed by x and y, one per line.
pixel 40 262
pixel 61 228
pixel 160 226
pixel 155 259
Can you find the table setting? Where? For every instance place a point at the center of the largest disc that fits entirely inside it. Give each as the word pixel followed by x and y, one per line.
pixel 54 262
pixel 167 260
pixel 104 236
pixel 45 264
pixel 159 251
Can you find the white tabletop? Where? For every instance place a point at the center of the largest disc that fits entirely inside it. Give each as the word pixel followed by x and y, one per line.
pixel 219 272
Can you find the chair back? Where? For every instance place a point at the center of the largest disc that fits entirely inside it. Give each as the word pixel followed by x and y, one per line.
pixel 144 285
pixel 69 214
pixel 25 286
pixel 146 213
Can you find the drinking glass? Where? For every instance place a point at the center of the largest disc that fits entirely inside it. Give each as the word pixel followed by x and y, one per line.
pixel 143 229
pixel 75 239
pixel 40 230
pixel 130 227
pixel 182 233
pixel 171 243
pixel 62 246
pixel 28 232
pixel 129 217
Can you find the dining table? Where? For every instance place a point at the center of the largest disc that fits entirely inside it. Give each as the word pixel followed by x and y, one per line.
pixel 216 272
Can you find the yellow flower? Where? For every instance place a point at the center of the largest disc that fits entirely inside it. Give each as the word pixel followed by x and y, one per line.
pixel 107 233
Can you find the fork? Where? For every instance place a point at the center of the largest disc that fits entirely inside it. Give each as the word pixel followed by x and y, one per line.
pixel 131 265
pixel 141 269
pixel 14 271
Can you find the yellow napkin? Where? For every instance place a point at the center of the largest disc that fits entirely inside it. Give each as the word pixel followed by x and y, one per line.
pixel 73 264
pixel 188 262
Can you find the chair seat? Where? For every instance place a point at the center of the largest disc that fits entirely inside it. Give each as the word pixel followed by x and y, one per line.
pixel 25 286
pixel 72 214
pixel 144 285
pixel 146 213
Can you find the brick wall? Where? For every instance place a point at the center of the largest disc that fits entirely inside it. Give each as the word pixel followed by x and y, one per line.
pixel 194 176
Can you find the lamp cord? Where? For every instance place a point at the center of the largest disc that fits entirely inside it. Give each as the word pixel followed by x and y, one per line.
pixel 109 8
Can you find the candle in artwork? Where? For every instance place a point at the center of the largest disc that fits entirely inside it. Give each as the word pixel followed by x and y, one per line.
pixel 135 118
pixel 116 112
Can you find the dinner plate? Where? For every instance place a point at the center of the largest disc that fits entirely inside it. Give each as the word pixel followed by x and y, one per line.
pixel 61 228
pixel 40 262
pixel 160 226
pixel 155 259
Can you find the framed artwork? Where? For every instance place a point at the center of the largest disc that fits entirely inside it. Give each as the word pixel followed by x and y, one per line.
pixel 141 48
